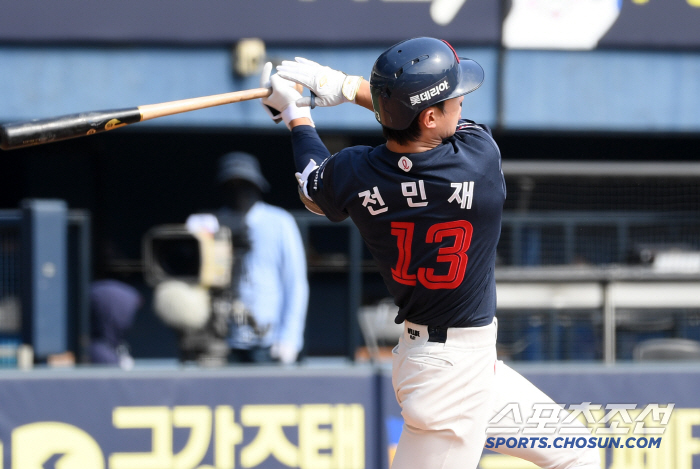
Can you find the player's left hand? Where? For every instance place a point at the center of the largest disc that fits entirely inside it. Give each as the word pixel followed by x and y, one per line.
pixel 330 87
pixel 285 353
pixel 281 104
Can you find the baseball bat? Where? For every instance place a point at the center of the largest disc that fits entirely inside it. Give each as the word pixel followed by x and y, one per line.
pixel 39 131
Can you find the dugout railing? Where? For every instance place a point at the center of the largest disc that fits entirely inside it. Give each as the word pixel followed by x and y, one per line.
pixel 629 232
pixel 45 273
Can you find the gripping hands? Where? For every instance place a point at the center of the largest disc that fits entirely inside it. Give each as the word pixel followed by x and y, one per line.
pixel 281 104
pixel 330 87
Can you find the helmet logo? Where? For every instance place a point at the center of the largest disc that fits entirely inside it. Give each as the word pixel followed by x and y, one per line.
pixel 430 93
pixel 405 164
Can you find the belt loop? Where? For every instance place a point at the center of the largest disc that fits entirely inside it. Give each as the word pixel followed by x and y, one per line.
pixel 437 334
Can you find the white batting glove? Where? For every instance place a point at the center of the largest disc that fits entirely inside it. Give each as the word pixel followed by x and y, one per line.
pixel 265 83
pixel 281 104
pixel 330 87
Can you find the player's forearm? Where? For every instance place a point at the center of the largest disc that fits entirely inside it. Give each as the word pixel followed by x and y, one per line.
pixel 300 121
pixel 306 145
pixel 364 96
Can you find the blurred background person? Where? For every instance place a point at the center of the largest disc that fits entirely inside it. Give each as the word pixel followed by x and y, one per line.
pixel 113 307
pixel 268 297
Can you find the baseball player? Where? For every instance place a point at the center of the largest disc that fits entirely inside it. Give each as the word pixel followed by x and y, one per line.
pixel 428 204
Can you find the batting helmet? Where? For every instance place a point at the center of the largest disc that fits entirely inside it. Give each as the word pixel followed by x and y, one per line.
pixel 418 73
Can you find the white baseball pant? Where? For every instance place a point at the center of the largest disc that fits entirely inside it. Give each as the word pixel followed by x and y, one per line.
pixel 449 391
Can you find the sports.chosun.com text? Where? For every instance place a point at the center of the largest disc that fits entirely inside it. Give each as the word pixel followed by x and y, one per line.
pixel 573 442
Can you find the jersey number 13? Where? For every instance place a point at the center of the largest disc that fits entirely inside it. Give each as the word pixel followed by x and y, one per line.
pixel 455 255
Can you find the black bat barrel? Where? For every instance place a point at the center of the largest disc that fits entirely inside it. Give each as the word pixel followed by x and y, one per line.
pixel 36 132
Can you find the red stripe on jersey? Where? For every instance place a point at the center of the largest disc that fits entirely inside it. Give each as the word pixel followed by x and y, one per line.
pixel 467 126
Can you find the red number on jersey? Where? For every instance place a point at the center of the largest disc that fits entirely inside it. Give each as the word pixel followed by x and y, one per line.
pixel 404 238
pixel 456 254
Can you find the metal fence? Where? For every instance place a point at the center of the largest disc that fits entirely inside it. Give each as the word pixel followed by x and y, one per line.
pixel 14 264
pixel 10 308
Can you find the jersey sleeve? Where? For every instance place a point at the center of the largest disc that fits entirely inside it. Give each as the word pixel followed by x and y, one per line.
pixel 465 126
pixel 315 172
pixel 321 191
pixel 307 146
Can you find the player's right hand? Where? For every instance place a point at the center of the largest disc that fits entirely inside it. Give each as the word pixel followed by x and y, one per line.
pixel 270 108
pixel 281 104
pixel 330 87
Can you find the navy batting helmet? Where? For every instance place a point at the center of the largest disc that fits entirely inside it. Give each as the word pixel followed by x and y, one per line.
pixel 418 73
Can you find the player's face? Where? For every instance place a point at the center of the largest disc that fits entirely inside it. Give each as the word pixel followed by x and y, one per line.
pixel 447 122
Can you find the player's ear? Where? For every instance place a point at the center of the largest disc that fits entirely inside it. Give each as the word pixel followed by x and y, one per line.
pixel 427 118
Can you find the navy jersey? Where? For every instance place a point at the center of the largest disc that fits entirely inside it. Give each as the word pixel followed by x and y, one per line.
pixel 431 220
